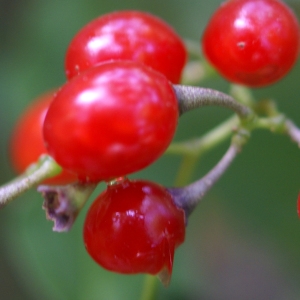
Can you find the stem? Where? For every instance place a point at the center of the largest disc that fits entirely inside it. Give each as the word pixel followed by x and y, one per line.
pixel 149 288
pixel 206 142
pixel 267 107
pixel 275 124
pixel 188 197
pixel 293 131
pixel 45 168
pixel 242 94
pixel 193 48
pixel 186 169
pixel 190 97
pixel 197 68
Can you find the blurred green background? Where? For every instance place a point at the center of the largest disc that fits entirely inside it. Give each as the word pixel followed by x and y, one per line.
pixel 242 242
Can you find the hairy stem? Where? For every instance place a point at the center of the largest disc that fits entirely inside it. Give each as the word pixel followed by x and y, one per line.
pixel 190 97
pixel 189 196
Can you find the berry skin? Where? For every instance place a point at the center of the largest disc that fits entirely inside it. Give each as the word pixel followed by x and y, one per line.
pixel 127 35
pixel 252 42
pixel 27 144
pixel 134 227
pixel 111 120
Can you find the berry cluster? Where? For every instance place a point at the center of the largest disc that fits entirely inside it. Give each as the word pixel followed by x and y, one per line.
pixel 116 114
pixel 118 111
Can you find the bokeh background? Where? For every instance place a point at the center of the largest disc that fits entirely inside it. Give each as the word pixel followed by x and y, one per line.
pixel 242 242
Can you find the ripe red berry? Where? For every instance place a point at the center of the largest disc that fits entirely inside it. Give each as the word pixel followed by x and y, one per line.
pixel 27 144
pixel 111 120
pixel 127 35
pixel 252 42
pixel 134 227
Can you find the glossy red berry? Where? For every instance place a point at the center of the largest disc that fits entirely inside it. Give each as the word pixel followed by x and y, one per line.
pixel 134 227
pixel 27 144
pixel 111 120
pixel 252 42
pixel 127 35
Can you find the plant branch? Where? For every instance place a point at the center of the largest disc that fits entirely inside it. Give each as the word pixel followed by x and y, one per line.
pixel 189 196
pixel 190 97
pixel 209 140
pixel 45 168
pixel 293 131
pixel 149 291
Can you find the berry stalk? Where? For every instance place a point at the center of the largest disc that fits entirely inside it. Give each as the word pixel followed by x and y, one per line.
pixel 190 97
pixel 43 169
pixel 189 196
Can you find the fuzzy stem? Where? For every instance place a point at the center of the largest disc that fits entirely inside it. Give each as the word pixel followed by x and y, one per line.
pixel 190 97
pixel 189 196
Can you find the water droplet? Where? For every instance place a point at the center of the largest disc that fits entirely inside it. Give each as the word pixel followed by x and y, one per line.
pixel 117 180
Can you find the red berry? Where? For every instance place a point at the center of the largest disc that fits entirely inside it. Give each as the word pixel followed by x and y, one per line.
pixel 111 120
pixel 127 35
pixel 134 227
pixel 27 144
pixel 252 42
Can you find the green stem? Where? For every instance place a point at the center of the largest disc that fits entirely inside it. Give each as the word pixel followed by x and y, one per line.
pixel 193 48
pixel 149 288
pixel 197 69
pixel 242 94
pixel 275 124
pixel 186 169
pixel 208 141
pixel 45 168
